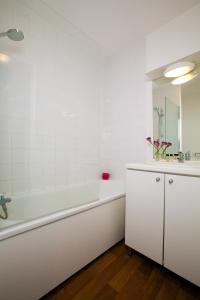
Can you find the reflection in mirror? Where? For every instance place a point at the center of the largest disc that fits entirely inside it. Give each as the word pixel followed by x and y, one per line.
pixel 176 115
pixel 166 114
pixel 190 103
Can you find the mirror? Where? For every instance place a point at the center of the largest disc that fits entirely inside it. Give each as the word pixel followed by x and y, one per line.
pixel 176 115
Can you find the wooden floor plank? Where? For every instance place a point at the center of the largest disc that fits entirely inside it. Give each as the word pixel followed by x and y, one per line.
pixel 116 276
pixel 100 280
pixel 123 275
pixel 107 293
pixel 188 291
pixel 154 284
pixel 169 289
pixel 134 289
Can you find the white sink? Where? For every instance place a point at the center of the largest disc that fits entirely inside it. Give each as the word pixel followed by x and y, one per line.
pixel 176 164
pixel 191 168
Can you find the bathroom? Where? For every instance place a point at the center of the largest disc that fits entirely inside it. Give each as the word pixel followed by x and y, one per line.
pixel 77 87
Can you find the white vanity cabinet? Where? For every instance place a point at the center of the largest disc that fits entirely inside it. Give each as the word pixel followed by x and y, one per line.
pixel 144 213
pixel 163 219
pixel 182 226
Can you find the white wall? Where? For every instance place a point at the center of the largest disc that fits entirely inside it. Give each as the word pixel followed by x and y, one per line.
pixel 124 110
pixel 50 95
pixel 173 41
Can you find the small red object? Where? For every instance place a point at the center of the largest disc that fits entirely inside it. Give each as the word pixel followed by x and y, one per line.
pixel 105 175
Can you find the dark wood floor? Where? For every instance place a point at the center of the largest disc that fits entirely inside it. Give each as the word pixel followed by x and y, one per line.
pixel 115 275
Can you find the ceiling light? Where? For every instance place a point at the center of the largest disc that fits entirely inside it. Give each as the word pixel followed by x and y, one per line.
pixel 4 58
pixel 179 69
pixel 185 78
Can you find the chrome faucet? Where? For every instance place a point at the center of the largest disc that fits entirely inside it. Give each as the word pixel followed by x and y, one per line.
pixel 187 155
pixel 3 201
pixel 180 157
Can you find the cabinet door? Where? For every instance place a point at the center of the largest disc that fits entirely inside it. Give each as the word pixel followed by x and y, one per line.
pixel 144 213
pixel 182 226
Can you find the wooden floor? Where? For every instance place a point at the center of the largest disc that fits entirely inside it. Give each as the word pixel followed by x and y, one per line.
pixel 115 275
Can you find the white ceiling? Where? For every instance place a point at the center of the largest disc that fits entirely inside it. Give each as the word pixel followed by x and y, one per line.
pixel 115 23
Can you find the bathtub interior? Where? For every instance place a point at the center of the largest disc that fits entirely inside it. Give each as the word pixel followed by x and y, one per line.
pixel 25 208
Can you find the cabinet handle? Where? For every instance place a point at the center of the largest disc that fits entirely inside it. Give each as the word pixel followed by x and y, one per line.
pixel 171 181
pixel 157 179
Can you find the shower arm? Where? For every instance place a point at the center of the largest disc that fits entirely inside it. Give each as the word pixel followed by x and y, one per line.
pixel 5 210
pixel 3 201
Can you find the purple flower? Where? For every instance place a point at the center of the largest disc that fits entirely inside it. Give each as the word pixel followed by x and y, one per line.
pixel 148 139
pixel 159 145
pixel 164 143
pixel 156 143
pixel 168 144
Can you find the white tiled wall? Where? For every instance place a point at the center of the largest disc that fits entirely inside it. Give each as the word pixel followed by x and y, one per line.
pixel 124 111
pixel 50 95
pixel 60 124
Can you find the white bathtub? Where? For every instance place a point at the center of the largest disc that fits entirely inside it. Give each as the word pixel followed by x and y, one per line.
pixel 50 236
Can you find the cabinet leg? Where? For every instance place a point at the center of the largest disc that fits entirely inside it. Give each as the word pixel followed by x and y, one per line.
pixel 130 252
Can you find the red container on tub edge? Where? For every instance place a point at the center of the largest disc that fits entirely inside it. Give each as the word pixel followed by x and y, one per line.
pixel 105 175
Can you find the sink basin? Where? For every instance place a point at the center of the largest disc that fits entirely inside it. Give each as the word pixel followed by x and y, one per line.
pixel 192 163
pixel 176 164
pixel 190 168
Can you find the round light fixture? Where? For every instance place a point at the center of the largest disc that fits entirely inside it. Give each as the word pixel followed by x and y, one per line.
pixel 179 69
pixel 185 78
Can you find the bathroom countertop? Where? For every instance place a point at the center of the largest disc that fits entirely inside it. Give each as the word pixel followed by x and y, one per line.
pixel 189 168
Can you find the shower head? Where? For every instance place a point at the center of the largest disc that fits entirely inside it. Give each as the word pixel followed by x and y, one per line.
pixel 13 34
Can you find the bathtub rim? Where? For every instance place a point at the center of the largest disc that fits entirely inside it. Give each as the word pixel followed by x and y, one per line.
pixel 25 226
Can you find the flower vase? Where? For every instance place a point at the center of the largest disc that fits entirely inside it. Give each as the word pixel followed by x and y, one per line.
pixel 157 155
pixel 164 155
